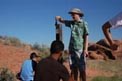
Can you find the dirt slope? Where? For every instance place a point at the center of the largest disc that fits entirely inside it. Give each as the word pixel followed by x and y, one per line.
pixel 12 57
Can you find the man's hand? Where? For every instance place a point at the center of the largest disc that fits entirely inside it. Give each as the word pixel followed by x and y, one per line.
pixel 114 46
pixel 85 53
pixel 58 18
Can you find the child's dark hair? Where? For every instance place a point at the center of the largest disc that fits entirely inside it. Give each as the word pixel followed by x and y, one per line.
pixel 56 46
pixel 33 55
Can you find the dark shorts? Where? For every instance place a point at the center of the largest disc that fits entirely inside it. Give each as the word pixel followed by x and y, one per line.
pixel 78 62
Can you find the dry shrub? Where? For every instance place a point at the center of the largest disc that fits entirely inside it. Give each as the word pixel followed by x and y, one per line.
pixel 6 75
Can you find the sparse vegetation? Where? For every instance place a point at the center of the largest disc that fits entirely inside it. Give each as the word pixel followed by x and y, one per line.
pixel 44 49
pixel 6 75
pixel 103 78
pixel 110 70
pixel 7 40
pixel 106 70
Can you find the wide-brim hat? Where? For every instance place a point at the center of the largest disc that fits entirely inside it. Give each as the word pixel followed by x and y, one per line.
pixel 76 11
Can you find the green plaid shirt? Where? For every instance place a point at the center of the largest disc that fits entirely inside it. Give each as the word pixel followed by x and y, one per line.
pixel 78 30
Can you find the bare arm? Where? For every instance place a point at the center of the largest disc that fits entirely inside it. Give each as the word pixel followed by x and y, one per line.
pixel 60 19
pixel 85 50
pixel 106 30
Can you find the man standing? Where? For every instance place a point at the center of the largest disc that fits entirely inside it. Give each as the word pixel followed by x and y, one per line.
pixel 49 69
pixel 115 22
pixel 78 42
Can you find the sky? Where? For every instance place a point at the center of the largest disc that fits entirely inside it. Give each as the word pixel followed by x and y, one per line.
pixel 33 21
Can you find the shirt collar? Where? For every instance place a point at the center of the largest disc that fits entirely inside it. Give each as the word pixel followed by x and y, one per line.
pixel 80 21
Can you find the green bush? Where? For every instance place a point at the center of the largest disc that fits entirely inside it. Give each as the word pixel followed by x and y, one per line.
pixel 6 75
pixel 44 49
pixel 36 46
pixel 13 41
pixel 8 40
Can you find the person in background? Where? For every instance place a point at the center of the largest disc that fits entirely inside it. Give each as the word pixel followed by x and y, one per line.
pixel 50 69
pixel 28 68
pixel 115 22
pixel 78 42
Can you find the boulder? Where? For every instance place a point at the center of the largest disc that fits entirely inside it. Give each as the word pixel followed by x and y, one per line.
pixel 94 55
pixel 103 48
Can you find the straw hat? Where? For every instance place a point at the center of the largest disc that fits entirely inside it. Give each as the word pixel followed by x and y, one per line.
pixel 76 11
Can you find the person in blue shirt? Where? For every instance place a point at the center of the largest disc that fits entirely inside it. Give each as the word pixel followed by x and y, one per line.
pixel 28 68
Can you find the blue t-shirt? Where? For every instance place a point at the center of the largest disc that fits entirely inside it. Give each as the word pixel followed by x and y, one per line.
pixel 27 71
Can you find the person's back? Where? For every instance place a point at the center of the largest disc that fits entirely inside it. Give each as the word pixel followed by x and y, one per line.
pixel 51 70
pixel 27 71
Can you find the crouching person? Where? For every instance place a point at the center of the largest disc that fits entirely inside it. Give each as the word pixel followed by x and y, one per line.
pixel 28 68
pixel 49 69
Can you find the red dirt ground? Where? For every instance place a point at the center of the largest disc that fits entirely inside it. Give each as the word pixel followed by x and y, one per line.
pixel 12 58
